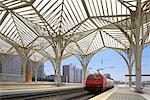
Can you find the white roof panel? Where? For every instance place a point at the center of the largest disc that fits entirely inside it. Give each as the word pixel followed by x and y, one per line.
pixel 88 25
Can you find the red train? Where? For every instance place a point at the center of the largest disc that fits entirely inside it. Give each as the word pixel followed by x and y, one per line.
pixel 98 83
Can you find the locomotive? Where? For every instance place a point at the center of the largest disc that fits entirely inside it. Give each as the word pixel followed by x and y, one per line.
pixel 98 83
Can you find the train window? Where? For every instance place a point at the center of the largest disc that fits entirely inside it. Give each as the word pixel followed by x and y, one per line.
pixel 93 78
pixel 97 78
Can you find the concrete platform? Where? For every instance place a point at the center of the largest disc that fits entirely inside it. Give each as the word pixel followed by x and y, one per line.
pixel 146 89
pixel 121 93
pixel 10 88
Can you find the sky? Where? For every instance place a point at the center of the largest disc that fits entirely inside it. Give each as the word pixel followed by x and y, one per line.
pixel 105 59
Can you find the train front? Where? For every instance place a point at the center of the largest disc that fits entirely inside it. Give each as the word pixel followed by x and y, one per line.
pixel 94 83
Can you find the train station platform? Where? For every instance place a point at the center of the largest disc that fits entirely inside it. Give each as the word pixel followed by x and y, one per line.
pixel 122 93
pixel 15 88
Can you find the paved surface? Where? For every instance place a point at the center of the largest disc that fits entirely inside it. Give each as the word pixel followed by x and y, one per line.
pixel 125 93
pixel 122 92
pixel 117 93
pixel 104 95
pixel 8 88
pixel 146 90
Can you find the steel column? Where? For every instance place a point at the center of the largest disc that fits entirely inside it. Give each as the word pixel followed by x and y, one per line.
pixel 84 60
pixel 27 71
pixel 58 71
pixel 58 53
pixel 36 71
pixel 127 56
pixel 138 57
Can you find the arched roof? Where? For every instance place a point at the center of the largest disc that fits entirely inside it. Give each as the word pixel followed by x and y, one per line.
pixel 90 25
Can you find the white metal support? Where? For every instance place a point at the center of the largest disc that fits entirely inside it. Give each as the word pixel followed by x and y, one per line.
pixel 130 73
pixel 59 45
pixel 37 65
pixel 84 60
pixel 23 53
pixel 57 62
pixel 138 57
pixel 127 56
pixel 130 65
pixel 58 71
pixel 54 66
pixel 36 73
pixel 137 47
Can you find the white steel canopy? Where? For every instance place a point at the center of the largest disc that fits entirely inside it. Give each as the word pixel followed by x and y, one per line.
pixel 82 26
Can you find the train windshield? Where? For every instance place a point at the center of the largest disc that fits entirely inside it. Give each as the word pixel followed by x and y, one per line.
pixel 93 78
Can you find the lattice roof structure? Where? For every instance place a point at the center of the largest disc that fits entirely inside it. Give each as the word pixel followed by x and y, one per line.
pixel 82 26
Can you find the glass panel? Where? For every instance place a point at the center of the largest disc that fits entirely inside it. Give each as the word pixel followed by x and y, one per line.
pixel 97 43
pixel 16 5
pixel 5 22
pixel 94 78
pixel 12 3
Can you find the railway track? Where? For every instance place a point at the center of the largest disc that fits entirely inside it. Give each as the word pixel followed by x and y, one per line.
pixel 71 94
pixel 81 95
pixel 84 96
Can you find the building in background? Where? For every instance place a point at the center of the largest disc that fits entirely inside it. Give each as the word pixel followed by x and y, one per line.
pixel 71 74
pixel 11 68
pixel 41 71
pixel 78 75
